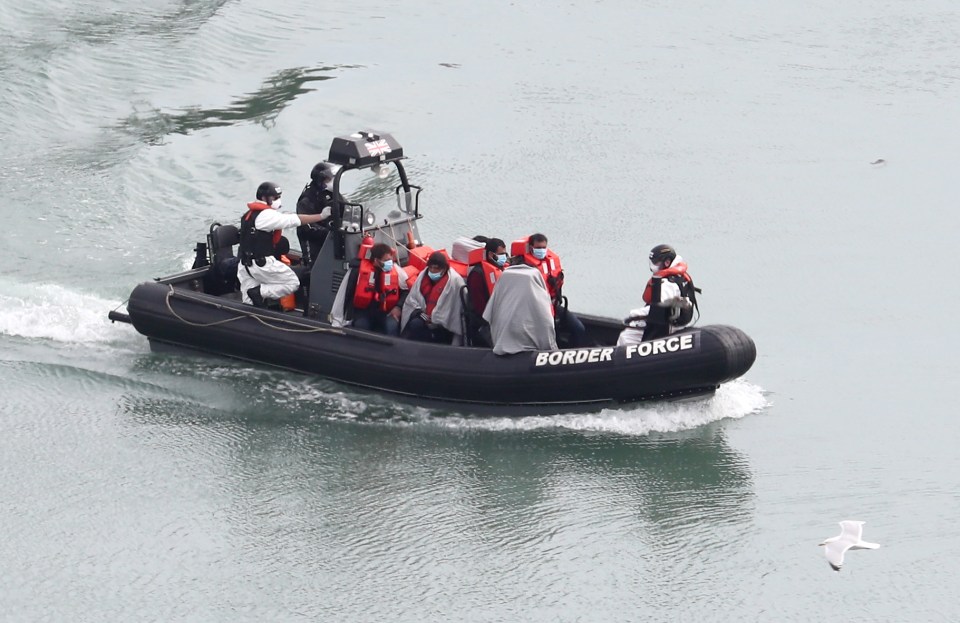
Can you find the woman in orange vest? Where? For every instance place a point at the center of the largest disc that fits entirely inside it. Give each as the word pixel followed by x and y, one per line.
pixel 378 297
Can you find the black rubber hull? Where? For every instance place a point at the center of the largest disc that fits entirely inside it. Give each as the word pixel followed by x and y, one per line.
pixel 693 362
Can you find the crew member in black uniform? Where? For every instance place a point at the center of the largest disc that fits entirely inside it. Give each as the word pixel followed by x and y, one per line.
pixel 316 198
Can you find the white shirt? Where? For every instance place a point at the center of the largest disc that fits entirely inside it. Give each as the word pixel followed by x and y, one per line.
pixel 272 220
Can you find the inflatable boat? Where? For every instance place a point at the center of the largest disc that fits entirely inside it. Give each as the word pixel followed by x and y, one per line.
pixel 201 310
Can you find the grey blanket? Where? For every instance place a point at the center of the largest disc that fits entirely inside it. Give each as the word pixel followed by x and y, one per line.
pixel 519 312
pixel 449 309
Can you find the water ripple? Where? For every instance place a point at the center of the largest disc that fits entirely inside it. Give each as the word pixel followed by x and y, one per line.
pixel 263 106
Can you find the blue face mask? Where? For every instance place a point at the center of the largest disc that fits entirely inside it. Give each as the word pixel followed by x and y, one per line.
pixel 501 259
pixel 388 266
pixel 434 276
pixel 540 253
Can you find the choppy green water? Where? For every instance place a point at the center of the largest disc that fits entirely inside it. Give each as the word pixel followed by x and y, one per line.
pixel 139 486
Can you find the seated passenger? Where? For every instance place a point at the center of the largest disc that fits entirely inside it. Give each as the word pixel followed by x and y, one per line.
pixel 670 298
pixel 480 281
pixel 379 292
pixel 433 309
pixel 520 312
pixel 548 263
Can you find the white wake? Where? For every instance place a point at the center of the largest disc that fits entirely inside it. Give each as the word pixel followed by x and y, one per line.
pixel 732 400
pixel 54 312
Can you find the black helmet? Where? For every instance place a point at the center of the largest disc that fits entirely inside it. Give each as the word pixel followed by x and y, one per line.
pixel 661 254
pixel 268 189
pixel 321 172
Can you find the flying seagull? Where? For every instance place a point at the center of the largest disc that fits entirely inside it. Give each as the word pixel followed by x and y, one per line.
pixel 849 538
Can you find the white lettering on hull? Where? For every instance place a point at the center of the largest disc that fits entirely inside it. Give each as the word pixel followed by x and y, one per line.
pixel 659 347
pixel 576 356
pixel 580 355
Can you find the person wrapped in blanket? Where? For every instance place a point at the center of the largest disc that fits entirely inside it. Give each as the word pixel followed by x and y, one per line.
pixel 433 310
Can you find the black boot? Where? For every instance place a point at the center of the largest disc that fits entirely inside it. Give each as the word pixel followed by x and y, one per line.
pixel 255 297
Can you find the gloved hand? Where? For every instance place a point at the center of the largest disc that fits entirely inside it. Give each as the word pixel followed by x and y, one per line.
pixel 325 213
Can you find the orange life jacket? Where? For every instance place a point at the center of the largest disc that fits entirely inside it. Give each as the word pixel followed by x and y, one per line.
pixel 412 274
pixel 459 267
pixel 255 244
pixel 374 285
pixel 551 270
pixel 259 206
pixel 491 272
pixel 677 270
pixel 431 291
pixel 418 257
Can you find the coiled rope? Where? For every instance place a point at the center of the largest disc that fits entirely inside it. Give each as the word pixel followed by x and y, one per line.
pixel 242 314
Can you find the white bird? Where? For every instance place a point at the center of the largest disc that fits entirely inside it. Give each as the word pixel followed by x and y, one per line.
pixel 849 538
